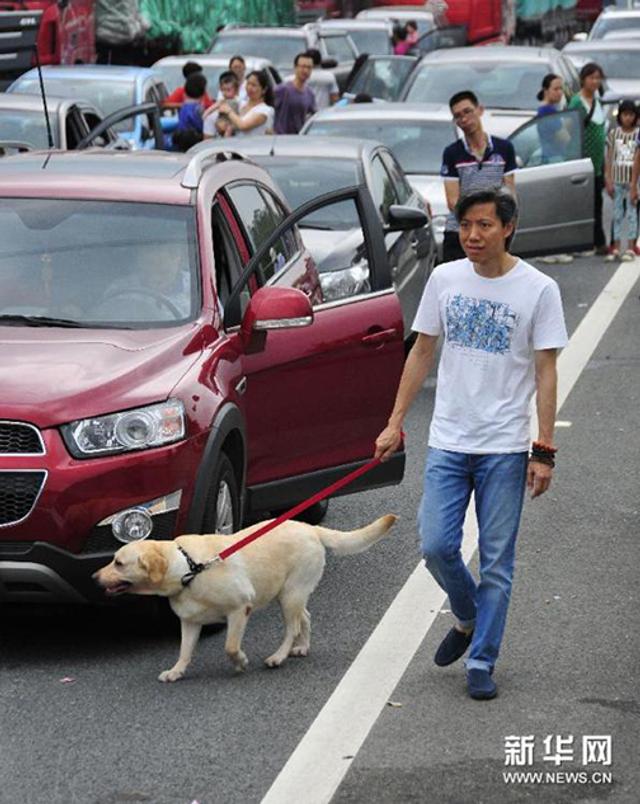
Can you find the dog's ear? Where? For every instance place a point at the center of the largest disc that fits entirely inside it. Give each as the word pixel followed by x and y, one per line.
pixel 154 563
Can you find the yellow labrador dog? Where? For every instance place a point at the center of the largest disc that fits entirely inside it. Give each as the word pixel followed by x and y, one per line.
pixel 286 564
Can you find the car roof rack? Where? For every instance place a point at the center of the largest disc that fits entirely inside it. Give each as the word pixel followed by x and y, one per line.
pixel 202 160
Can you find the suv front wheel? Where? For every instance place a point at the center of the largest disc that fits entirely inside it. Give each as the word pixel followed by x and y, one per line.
pixel 222 508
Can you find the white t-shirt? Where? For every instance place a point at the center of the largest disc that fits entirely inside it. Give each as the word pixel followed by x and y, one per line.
pixel 486 376
pixel 261 108
pixel 324 84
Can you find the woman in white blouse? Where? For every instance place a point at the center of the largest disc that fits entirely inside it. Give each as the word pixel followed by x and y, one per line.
pixel 256 116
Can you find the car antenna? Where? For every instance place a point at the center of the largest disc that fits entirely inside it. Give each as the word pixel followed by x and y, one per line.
pixel 44 96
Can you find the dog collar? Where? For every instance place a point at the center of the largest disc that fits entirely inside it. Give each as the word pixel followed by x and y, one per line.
pixel 195 567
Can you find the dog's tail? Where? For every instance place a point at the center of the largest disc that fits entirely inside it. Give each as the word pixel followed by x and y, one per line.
pixel 344 543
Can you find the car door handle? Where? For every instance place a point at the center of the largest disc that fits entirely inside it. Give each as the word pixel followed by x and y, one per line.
pixel 414 243
pixel 241 386
pixel 579 179
pixel 380 337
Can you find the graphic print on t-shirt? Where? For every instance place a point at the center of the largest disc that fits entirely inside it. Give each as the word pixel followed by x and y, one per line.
pixel 480 324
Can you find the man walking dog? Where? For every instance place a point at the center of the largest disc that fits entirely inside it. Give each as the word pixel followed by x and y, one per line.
pixel 503 324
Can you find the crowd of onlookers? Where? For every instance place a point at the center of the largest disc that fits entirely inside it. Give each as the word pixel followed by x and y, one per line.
pixel 247 103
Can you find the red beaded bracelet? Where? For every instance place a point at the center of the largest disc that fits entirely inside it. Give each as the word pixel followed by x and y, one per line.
pixel 539 446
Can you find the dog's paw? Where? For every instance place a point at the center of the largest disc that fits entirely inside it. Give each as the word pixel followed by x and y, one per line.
pixel 275 660
pixel 241 663
pixel 170 675
pixel 299 651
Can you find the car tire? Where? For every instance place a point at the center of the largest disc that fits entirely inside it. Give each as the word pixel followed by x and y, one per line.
pixel 222 506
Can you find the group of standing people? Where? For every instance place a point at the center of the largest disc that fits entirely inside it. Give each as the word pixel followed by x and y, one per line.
pixel 247 103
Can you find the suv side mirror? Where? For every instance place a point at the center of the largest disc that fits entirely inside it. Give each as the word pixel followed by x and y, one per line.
pixel 329 64
pixel 403 219
pixel 276 308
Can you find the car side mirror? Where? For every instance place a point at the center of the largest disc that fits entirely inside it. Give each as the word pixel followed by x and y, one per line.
pixel 329 64
pixel 403 219
pixel 275 308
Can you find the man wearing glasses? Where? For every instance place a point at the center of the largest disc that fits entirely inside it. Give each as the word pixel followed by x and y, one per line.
pixel 473 163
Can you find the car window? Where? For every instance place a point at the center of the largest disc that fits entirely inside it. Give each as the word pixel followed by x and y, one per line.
pixel 75 128
pixel 382 78
pixel 228 266
pixel 500 84
pixel 401 186
pixel 258 220
pixel 382 188
pixel 280 50
pixel 549 139
pixel 339 48
pixel 290 242
pixel 373 41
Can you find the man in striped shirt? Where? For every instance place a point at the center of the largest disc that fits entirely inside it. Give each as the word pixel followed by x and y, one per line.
pixel 474 162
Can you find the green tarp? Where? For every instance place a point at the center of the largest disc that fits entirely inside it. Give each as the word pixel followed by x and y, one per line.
pixel 196 21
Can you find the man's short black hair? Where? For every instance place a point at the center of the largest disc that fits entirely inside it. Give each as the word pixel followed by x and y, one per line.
pixel 228 77
pixel 504 202
pixel 304 55
pixel 466 94
pixel 190 67
pixel 196 85
pixel 315 54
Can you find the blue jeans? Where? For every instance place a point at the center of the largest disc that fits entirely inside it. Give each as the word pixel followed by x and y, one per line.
pixel 499 482
pixel 624 211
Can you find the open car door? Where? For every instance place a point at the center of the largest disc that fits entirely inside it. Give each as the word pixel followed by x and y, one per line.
pixel 316 396
pixel 154 127
pixel 555 186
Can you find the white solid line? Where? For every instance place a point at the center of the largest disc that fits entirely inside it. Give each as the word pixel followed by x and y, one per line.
pixel 316 768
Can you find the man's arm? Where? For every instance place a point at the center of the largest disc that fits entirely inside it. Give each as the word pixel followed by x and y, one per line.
pixel 452 192
pixel 510 183
pixel 416 368
pixel 539 474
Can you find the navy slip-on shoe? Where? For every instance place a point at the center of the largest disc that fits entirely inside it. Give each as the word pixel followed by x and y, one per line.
pixel 452 647
pixel 480 685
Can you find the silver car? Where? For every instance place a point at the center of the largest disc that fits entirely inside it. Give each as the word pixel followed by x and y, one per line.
pixel 369 35
pixel 170 69
pixel 506 80
pixel 619 58
pixel 614 22
pixel 554 183
pixel 305 168
pixel 400 15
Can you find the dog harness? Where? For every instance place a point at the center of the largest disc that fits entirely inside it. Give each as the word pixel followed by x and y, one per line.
pixel 195 567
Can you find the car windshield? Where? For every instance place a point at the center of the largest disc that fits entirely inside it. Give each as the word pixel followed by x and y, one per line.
pixel 416 145
pixel 20 125
pixel 108 96
pixel 303 179
pixel 498 84
pixel 172 76
pixel 97 263
pixel 382 78
pixel 279 50
pixel 608 25
pixel 374 42
pixel 615 63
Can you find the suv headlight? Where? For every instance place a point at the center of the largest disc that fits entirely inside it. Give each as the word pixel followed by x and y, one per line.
pixel 141 428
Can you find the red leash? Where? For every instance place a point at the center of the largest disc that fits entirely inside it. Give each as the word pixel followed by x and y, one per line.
pixel 320 495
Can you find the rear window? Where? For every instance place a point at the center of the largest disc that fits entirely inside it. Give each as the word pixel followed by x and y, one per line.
pixel 100 264
pixel 28 127
pixel 376 43
pixel 279 50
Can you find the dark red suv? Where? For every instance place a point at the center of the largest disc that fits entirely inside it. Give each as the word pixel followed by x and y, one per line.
pixel 168 362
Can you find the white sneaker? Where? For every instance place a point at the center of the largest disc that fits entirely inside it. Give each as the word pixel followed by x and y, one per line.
pixel 628 256
pixel 550 260
pixel 564 259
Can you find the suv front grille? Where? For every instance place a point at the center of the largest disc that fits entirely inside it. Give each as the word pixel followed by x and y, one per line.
pixel 18 494
pixel 20 439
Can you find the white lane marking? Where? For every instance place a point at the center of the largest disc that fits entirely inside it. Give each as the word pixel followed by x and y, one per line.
pixel 322 758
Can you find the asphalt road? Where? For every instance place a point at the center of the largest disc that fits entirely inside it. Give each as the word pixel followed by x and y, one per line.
pixel 84 720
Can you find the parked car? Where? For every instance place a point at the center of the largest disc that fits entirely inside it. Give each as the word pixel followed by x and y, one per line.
pixel 506 80
pixel 615 22
pixel 381 77
pixel 619 58
pixel 554 196
pixel 170 69
pixel 22 120
pixel 280 46
pixel 169 364
pixel 369 35
pixel 400 14
pixel 108 87
pixel 306 168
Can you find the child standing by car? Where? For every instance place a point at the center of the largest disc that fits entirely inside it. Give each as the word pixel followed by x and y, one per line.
pixel 621 147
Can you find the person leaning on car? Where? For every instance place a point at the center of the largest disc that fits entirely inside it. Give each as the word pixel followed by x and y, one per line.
pixel 474 162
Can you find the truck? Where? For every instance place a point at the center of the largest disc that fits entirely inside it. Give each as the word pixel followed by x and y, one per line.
pixel 520 21
pixel 63 30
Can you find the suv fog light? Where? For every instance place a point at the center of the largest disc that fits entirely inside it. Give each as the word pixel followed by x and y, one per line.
pixel 132 525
